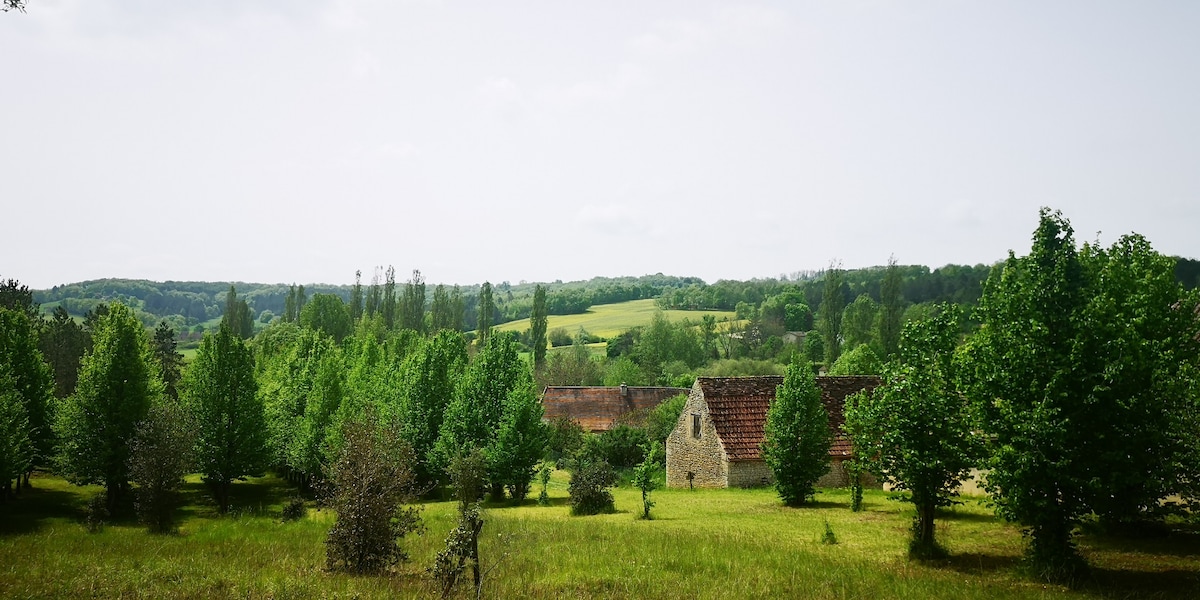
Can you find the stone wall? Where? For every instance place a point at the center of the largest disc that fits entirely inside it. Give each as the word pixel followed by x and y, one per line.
pixel 750 473
pixel 703 457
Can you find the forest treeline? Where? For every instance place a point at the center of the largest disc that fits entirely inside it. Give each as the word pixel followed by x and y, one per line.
pixel 188 305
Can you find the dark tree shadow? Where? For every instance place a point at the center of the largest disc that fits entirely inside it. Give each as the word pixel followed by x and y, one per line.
pixel 974 563
pixel 1111 583
pixel 32 508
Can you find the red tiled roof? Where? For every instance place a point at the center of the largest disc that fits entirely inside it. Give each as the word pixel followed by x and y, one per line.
pixel 738 407
pixel 597 408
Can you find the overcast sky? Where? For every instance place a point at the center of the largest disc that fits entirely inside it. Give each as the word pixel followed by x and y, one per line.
pixel 300 140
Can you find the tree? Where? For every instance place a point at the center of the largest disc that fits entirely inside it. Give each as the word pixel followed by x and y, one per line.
pixel 891 312
pixel 356 298
pixel 31 380
pixel 859 322
pixel 238 317
pixel 170 362
pixel 369 481
pixel 483 328
pixel 472 419
pixel 8 5
pixel 16 296
pixel 537 326
pixel 796 436
pixel 429 378
pixel 916 429
pixel 833 303
pixel 160 456
pixel 388 306
pixel 412 304
pixel 859 361
pixel 328 314
pixel 117 383
pixel 442 313
pixel 645 478
pixel 521 441
pixel 16 449
pixel 63 343
pixel 231 431
pixel 588 488
pixel 1085 372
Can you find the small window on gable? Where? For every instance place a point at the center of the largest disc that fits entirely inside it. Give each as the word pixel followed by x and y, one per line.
pixel 696 426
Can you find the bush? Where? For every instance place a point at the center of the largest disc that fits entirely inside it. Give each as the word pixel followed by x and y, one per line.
pixel 662 419
pixel 372 475
pixel 566 438
pixel 160 455
pixel 589 488
pixel 294 509
pixel 623 446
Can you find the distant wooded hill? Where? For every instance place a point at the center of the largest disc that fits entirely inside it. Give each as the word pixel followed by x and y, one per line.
pixel 188 304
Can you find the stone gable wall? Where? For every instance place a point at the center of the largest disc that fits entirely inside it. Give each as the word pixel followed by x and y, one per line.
pixel 704 457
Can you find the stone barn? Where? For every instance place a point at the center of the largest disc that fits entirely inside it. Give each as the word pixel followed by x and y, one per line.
pixel 597 408
pixel 715 442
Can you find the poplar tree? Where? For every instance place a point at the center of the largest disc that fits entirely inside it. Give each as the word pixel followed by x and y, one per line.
pixel 389 298
pixel 231 431
pixel 356 298
pixel 117 382
pixel 412 304
pixel 796 436
pixel 891 310
pixel 833 303
pixel 483 328
pixel 170 362
pixel 537 326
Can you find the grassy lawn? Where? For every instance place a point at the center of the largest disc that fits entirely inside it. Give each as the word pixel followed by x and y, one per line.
pixel 608 320
pixel 701 544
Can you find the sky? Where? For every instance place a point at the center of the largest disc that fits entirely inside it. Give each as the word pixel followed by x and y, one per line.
pixel 300 141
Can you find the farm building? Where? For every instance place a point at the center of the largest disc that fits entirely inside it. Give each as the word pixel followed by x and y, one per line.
pixel 597 408
pixel 715 442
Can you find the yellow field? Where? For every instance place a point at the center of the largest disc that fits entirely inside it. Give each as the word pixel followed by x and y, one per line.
pixel 608 320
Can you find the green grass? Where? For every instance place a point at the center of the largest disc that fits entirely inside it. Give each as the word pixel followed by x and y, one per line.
pixel 608 320
pixel 701 544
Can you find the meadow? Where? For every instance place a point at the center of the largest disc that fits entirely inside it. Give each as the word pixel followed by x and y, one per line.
pixel 608 320
pixel 700 544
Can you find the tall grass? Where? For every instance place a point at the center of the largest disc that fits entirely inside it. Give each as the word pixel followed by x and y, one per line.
pixel 700 544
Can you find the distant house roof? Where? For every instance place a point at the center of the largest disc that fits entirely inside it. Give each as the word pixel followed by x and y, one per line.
pixel 597 408
pixel 738 408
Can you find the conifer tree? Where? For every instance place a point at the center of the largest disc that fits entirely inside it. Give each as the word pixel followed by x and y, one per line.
pixel 538 320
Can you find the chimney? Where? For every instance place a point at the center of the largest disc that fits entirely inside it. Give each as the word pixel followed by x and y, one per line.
pixel 624 390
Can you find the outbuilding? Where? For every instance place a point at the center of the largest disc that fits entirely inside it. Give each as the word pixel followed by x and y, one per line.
pixel 716 441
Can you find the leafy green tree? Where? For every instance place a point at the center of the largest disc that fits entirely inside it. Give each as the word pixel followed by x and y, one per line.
pixel 796 436
pixel 369 481
pixel 473 417
pixel 891 310
pixel 429 377
pixel 1085 371
pixel 306 454
pixel 389 304
pixel 662 419
pixel 645 478
pixel 814 346
pixel 31 378
pixel 160 456
pixel 442 311
pixel 538 320
pixel 63 343
pixel 859 361
pixel 833 303
pixel 896 435
pixel 16 449
pixel 521 441
pixel 412 303
pixel 356 298
pixel 170 362
pixel 573 366
pixel 231 430
pixel 859 321
pixel 117 383
pixel 483 328
pixel 1027 379
pixel 328 314
pixel 237 316
pixel 588 488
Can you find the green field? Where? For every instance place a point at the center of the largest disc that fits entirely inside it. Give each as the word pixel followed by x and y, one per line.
pixel 608 320
pixel 702 544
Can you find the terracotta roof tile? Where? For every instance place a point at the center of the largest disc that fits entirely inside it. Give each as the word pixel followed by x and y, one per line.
pixel 738 408
pixel 596 408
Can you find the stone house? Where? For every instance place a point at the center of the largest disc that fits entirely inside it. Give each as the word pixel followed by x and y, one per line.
pixel 716 440
pixel 598 408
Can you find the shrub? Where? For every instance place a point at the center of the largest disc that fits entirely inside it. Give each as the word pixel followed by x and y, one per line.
pixel 566 438
pixel 96 513
pixel 589 488
pixel 160 455
pixel 372 475
pixel 645 478
pixel 294 509
pixel 623 446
